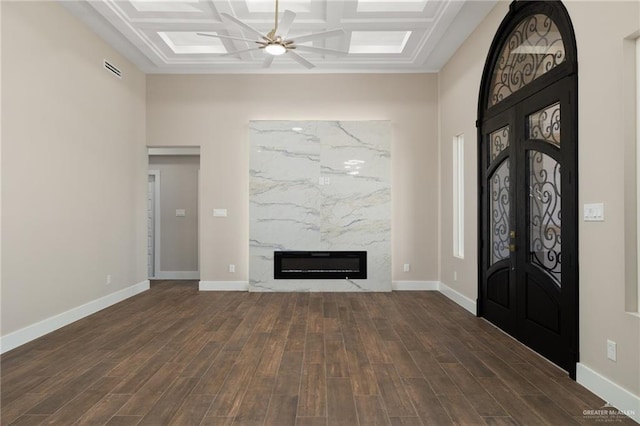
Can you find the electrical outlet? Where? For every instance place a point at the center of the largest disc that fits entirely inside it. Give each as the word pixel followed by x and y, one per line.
pixel 232 267
pixel 407 267
pixel 108 279
pixel 612 350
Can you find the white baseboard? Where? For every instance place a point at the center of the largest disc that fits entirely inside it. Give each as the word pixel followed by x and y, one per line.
pixel 452 294
pixel 415 285
pixel 459 298
pixel 223 286
pixel 178 275
pixel 39 329
pixel 614 394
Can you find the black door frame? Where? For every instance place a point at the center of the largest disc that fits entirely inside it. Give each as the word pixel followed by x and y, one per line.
pixel 567 73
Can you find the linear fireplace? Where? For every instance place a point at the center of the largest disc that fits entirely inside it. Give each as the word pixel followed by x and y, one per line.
pixel 337 265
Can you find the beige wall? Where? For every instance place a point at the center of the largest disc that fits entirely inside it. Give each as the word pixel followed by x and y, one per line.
pixel 213 112
pixel 178 190
pixel 73 166
pixel 600 30
pixel 601 167
pixel 459 85
pixel 0 171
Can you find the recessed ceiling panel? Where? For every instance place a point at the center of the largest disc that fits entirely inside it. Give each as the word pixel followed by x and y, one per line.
pixel 372 42
pixel 186 42
pixel 391 6
pixel 257 6
pixel 166 6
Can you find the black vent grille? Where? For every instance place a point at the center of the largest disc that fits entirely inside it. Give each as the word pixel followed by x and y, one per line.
pixel 114 70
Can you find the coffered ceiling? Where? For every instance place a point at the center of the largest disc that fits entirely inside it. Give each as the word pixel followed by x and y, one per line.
pixel 160 36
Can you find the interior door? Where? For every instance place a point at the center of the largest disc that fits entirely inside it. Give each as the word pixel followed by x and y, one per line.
pixel 528 284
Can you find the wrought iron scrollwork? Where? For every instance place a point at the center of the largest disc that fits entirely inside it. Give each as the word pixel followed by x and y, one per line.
pixel 499 141
pixel 500 203
pixel 545 124
pixel 545 214
pixel 533 48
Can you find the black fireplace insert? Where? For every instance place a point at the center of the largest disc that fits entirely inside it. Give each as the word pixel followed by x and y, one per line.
pixel 337 265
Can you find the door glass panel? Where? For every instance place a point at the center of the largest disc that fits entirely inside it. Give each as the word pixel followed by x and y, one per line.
pixel 499 141
pixel 545 214
pixel 545 124
pixel 533 48
pixel 499 220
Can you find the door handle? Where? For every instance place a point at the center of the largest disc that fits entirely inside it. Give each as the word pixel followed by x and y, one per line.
pixel 512 247
pixel 512 234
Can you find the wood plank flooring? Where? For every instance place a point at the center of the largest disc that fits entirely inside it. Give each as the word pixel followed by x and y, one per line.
pixel 176 356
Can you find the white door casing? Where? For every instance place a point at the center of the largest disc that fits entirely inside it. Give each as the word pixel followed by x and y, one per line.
pixel 153 223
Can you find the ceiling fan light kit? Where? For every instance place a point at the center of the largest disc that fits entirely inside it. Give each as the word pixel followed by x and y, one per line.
pixel 275 49
pixel 275 42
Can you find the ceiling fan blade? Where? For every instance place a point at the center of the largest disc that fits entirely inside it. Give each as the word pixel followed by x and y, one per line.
pixel 227 37
pixel 299 59
pixel 267 61
pixel 285 23
pixel 237 52
pixel 320 35
pixel 242 24
pixel 322 51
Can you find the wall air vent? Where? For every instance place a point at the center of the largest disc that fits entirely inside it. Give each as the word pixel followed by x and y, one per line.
pixel 112 68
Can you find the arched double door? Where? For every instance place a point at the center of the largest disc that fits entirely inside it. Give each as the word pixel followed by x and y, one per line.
pixel 528 218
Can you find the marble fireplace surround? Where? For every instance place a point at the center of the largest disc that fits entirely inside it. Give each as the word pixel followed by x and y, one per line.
pixel 320 185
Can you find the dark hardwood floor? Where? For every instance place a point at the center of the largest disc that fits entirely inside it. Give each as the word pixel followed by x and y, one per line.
pixel 176 356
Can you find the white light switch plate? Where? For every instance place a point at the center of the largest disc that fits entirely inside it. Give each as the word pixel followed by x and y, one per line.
pixel 612 350
pixel 594 212
pixel 181 212
pixel 220 212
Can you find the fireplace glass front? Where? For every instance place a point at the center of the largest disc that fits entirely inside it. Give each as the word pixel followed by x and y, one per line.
pixel 320 264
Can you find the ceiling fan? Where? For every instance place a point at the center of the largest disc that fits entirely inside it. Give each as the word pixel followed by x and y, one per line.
pixel 275 42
